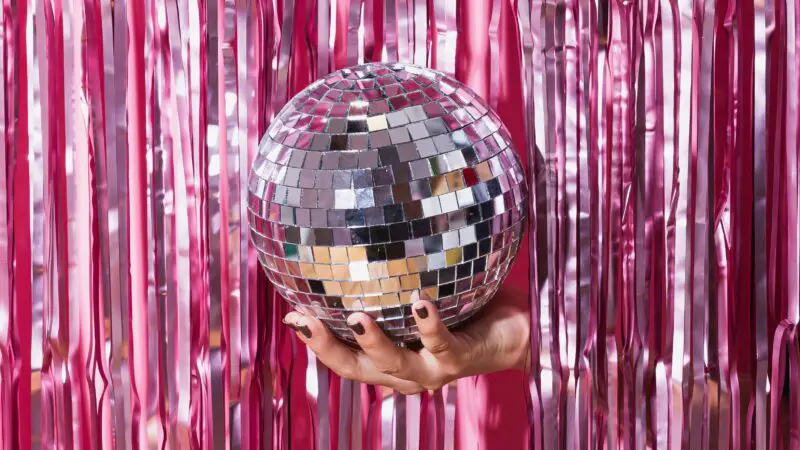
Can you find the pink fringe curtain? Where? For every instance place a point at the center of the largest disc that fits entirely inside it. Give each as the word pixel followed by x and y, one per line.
pixel 661 137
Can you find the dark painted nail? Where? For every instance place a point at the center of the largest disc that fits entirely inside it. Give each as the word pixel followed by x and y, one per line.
pixel 358 328
pixel 304 329
pixel 422 312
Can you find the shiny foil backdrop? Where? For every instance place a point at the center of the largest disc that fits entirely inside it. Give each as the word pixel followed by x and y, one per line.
pixel 661 142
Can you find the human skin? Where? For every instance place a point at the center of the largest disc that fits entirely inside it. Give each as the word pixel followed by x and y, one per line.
pixel 498 338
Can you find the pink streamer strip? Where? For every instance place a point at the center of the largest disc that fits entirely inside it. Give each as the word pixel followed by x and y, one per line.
pixel 7 356
pixel 390 30
pixel 763 24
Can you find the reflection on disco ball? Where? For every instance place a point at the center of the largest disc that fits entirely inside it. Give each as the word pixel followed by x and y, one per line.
pixel 382 184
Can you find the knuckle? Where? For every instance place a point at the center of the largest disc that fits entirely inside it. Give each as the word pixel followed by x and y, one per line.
pixel 411 390
pixel 434 384
pixel 349 372
pixel 389 369
pixel 439 347
pixel 432 387
pixel 451 371
pixel 344 372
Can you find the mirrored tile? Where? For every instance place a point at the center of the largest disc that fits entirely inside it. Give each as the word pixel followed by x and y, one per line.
pixel 292 176
pixel 378 122
pixel 388 155
pixel 443 143
pixel 399 231
pixel 378 139
pixel 420 169
pixel 336 125
pixel 449 202
pixel 345 198
pixel 436 261
pixel 342 179
pixel 414 247
pixel 417 131
pixel 399 135
pixel 368 159
pixel 426 147
pixel 308 198
pixel 396 119
pixel 312 160
pixel 320 142
pixel 378 106
pixel 355 218
pixel 455 160
pixel 420 189
pixel 348 160
pixel 358 141
pixel 438 165
pixel 433 109
pixel 436 126
pixel 362 178
pixel 374 215
pixel 364 198
pixel 407 152
pixel 330 161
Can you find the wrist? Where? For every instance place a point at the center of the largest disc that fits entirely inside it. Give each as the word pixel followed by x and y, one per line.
pixel 524 363
pixel 523 358
pixel 517 352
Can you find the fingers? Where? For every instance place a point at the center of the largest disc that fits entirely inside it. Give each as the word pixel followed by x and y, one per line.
pixel 381 361
pixel 342 359
pixel 371 375
pixel 498 340
pixel 435 336
pixel 329 350
pixel 384 354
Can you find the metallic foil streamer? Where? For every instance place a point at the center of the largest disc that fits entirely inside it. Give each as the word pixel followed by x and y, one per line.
pixel 39 139
pixel 660 142
pixel 444 44
pixel 112 175
pixel 791 177
pixel 764 25
pixel 218 341
pixel 420 32
pixel 7 156
pixel 354 19
pixel 390 31
pixel 323 16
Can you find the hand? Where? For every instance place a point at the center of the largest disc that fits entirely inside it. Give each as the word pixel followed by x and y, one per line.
pixel 497 339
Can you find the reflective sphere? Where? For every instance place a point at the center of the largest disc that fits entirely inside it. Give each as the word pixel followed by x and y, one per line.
pixel 382 184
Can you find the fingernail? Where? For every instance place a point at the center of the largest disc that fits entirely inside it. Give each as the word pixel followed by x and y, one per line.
pixel 357 328
pixel 304 329
pixel 289 324
pixel 422 312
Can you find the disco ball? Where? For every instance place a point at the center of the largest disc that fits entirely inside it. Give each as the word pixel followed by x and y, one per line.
pixel 383 184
